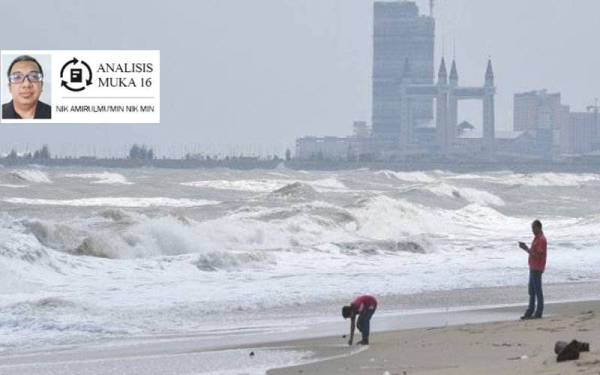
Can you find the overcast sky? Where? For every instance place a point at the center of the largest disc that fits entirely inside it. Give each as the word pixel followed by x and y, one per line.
pixel 252 75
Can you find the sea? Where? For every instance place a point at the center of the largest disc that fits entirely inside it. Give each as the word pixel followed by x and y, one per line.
pixel 91 254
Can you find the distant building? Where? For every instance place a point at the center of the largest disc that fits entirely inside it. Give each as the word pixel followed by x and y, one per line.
pixel 359 146
pixel 400 36
pixel 542 114
pixel 323 148
pixel 580 134
pixel 361 130
pixel 537 110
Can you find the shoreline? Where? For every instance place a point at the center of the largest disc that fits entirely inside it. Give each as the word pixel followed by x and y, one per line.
pixel 317 355
pixel 494 347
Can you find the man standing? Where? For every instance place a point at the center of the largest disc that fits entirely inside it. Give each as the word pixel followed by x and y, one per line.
pixel 364 307
pixel 537 265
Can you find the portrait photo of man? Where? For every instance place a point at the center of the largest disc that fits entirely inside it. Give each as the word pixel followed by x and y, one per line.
pixel 26 85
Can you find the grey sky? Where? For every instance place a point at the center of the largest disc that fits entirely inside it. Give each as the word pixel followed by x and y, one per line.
pixel 242 75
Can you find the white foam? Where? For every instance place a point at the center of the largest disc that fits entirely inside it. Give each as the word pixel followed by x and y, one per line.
pixel 408 176
pixel 267 185
pixel 189 274
pixel 469 194
pixel 31 175
pixel 257 186
pixel 129 202
pixel 535 179
pixel 12 186
pixel 101 178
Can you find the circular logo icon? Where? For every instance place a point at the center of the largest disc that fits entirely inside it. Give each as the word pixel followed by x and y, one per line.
pixel 75 75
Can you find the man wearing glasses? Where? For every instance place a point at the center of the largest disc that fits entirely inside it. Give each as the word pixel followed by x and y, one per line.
pixel 25 83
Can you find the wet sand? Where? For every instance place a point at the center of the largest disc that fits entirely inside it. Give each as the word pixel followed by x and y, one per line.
pixel 506 347
pixel 456 340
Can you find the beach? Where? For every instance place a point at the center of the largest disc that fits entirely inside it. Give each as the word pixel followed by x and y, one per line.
pixel 506 347
pixel 160 271
pixel 502 345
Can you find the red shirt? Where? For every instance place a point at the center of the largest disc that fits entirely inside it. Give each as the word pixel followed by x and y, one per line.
pixel 362 302
pixel 537 255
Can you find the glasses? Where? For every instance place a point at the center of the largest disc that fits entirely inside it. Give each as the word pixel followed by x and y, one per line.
pixel 18 78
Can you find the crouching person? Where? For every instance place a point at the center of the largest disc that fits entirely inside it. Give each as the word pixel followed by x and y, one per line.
pixel 364 307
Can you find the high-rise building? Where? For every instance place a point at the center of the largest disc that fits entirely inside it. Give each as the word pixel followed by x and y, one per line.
pixel 579 134
pixel 401 37
pixel 543 114
pixel 537 110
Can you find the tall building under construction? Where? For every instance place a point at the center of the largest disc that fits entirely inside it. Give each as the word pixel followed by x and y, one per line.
pixel 401 37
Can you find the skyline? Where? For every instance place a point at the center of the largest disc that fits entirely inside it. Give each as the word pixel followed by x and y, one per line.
pixel 259 90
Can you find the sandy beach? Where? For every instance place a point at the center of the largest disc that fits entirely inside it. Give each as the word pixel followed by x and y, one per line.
pixel 508 347
pixel 472 341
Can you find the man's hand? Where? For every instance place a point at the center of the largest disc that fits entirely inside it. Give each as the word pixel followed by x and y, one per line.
pixel 523 246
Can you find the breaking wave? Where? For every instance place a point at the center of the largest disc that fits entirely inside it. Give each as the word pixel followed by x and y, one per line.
pixel 30 175
pixel 469 194
pixel 296 190
pixel 102 178
pixel 128 202
pixel 413 177
pixel 267 185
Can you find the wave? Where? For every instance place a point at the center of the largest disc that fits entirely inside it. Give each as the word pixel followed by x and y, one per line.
pixel 415 246
pixel 256 186
pixel 469 194
pixel 267 185
pixel 13 186
pixel 128 202
pixel 408 176
pixel 30 175
pixel 102 178
pixel 547 179
pixel 296 190
pixel 222 260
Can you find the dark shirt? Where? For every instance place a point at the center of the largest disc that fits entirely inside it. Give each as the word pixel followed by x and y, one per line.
pixel 42 111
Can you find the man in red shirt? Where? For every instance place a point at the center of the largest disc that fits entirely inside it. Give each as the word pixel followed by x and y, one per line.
pixel 537 265
pixel 364 307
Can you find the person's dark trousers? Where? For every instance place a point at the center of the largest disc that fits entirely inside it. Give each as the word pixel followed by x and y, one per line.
pixel 535 293
pixel 364 323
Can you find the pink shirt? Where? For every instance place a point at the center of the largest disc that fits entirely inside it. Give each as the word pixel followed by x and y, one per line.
pixel 362 302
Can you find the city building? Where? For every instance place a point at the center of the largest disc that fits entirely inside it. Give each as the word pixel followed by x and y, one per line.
pixel 400 36
pixel 544 115
pixel 579 134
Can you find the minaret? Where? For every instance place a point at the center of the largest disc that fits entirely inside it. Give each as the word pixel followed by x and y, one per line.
pixel 489 112
pixel 453 74
pixel 489 74
pixel 441 118
pixel 453 103
pixel 442 73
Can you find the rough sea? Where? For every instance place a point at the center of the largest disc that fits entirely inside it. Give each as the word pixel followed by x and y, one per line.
pixel 95 254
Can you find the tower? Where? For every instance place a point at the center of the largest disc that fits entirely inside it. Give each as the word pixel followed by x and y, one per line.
pixel 400 34
pixel 442 108
pixel 489 115
pixel 453 102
